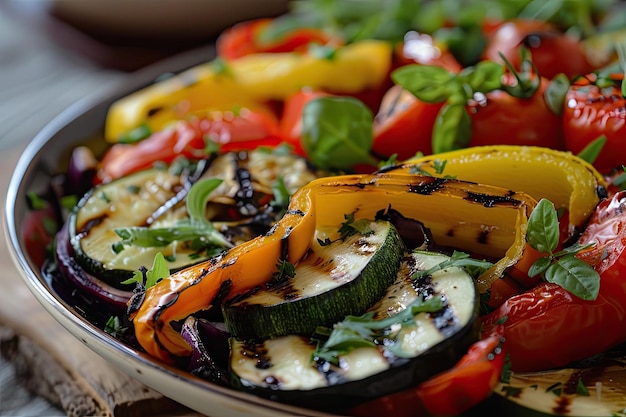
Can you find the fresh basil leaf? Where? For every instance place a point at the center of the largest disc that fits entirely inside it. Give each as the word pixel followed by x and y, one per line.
pixel 554 95
pixel 543 227
pixel 159 237
pixel 429 83
pixel 158 272
pixel 281 194
pixel 198 197
pixel 152 276
pixel 576 276
pixel 453 128
pixel 431 16
pixel 539 266
pixel 592 150
pixel 337 132
pixel 484 77
pixel 573 249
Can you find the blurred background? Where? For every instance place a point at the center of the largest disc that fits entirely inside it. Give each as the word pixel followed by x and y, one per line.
pixel 53 52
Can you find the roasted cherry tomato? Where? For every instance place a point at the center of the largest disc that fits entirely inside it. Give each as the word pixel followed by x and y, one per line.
pixel 404 125
pixel 593 108
pixel 419 48
pixel 246 129
pixel 449 393
pixel 553 52
pixel 501 118
pixel 548 327
pixel 246 38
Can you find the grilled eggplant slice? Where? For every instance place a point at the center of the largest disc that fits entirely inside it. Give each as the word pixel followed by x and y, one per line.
pixel 286 369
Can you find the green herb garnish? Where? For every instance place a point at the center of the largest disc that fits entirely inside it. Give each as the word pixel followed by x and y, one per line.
pixel 434 84
pixel 363 331
pixel 337 133
pixel 150 277
pixel 459 260
pixel 113 326
pixel 563 267
pixel 197 229
pixel 352 226
pixel 284 270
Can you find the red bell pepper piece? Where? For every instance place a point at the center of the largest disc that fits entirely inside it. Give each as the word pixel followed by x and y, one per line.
pixel 248 129
pixel 449 393
pixel 245 38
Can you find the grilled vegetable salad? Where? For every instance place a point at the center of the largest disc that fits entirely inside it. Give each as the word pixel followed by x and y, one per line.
pixel 418 213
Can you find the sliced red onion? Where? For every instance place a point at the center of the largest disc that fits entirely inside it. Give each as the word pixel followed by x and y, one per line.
pixel 85 282
pixel 209 343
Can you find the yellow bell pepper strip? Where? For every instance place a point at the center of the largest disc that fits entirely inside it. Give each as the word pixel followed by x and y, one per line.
pixel 566 180
pixel 478 219
pixel 248 80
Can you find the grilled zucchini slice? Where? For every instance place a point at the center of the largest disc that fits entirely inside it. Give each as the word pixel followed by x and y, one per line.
pixel 285 368
pixel 156 198
pixel 596 390
pixel 334 280
pixel 134 200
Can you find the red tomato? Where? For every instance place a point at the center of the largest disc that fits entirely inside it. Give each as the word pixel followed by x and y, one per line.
pixel 549 327
pixel 552 51
pixel 404 125
pixel 420 48
pixel 187 138
pixel 607 228
pixel 244 39
pixel 36 235
pixel 450 393
pixel 291 120
pixel 589 112
pixel 503 119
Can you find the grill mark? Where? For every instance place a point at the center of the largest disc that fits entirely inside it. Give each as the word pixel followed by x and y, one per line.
pixel 153 111
pixel 490 201
pixel 244 198
pixel 427 186
pixel 90 224
pixel 444 320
